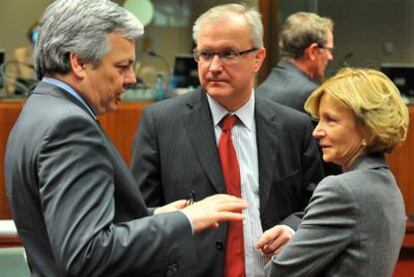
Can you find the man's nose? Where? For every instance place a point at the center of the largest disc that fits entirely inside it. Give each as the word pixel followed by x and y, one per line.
pixel 331 56
pixel 130 77
pixel 215 63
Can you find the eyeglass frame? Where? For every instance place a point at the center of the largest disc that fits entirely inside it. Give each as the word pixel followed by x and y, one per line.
pixel 221 55
pixel 330 49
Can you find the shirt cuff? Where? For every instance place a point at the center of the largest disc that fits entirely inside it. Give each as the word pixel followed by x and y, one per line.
pixel 189 221
pixel 290 229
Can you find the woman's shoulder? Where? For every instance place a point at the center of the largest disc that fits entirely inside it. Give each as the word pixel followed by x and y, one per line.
pixel 342 187
pixel 358 185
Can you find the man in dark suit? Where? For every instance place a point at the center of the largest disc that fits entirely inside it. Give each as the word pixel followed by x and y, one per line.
pixel 176 149
pixel 306 44
pixel 75 203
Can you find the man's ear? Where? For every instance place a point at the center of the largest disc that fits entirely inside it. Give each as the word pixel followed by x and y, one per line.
pixel 77 66
pixel 311 51
pixel 260 56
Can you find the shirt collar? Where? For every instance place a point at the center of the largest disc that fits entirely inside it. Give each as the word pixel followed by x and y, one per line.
pixel 68 89
pixel 245 113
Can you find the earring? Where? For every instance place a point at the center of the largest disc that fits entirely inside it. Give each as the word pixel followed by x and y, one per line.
pixel 364 143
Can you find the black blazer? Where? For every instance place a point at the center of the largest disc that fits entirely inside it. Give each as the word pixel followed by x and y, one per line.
pixel 75 203
pixel 175 152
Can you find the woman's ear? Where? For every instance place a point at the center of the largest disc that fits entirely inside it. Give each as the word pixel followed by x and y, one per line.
pixel 367 136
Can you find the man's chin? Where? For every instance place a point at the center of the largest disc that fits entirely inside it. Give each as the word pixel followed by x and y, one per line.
pixel 114 106
pixel 110 108
pixel 219 90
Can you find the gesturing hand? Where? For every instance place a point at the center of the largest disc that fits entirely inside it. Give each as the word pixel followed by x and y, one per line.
pixel 208 212
pixel 171 207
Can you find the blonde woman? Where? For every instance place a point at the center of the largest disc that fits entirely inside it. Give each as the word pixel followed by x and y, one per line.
pixel 355 222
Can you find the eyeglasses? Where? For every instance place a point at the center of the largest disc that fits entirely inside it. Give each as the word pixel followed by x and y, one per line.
pixel 330 49
pixel 226 57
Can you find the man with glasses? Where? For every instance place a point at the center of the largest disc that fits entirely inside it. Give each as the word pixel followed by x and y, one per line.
pixel 306 46
pixel 222 139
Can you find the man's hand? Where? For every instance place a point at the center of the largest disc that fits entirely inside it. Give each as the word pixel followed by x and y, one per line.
pixel 273 240
pixel 208 212
pixel 172 207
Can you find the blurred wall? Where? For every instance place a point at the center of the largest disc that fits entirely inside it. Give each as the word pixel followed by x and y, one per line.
pixel 15 19
pixel 367 32
pixel 374 31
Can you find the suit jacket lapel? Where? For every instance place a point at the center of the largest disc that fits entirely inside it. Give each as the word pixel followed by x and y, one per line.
pixel 268 144
pixel 200 130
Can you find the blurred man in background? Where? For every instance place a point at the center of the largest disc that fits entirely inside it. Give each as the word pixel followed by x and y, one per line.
pixel 306 47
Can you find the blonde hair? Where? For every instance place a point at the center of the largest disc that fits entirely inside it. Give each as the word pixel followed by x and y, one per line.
pixel 375 101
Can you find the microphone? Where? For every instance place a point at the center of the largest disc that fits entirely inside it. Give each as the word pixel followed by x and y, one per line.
pixel 344 62
pixel 162 58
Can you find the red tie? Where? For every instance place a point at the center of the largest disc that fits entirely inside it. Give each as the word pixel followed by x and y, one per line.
pixel 234 256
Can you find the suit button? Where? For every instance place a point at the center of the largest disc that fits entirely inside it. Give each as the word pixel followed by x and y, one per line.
pixel 173 267
pixel 219 245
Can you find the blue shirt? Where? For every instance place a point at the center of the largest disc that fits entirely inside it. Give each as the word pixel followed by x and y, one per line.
pixel 69 90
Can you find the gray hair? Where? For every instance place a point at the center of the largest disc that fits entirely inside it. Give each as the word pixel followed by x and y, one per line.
pixel 80 27
pixel 300 30
pixel 252 17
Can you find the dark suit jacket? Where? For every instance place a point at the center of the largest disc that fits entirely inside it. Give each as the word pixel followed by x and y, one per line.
pixel 75 203
pixel 287 85
pixel 175 152
pixel 354 226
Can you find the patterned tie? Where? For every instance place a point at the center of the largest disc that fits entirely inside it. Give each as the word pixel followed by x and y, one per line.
pixel 234 255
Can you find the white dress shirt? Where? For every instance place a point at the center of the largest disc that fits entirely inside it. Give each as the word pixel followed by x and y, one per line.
pixel 243 135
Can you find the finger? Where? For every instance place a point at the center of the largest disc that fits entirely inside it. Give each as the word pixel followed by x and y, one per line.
pixel 234 206
pixel 180 204
pixel 266 252
pixel 276 245
pixel 269 254
pixel 278 250
pixel 223 198
pixel 268 236
pixel 229 216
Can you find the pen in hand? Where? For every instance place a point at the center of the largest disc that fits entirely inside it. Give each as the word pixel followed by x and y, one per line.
pixel 190 198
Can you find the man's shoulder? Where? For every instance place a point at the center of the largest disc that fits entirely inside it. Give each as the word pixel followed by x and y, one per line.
pixel 286 77
pixel 175 106
pixel 43 111
pixel 189 98
pixel 58 105
pixel 266 105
